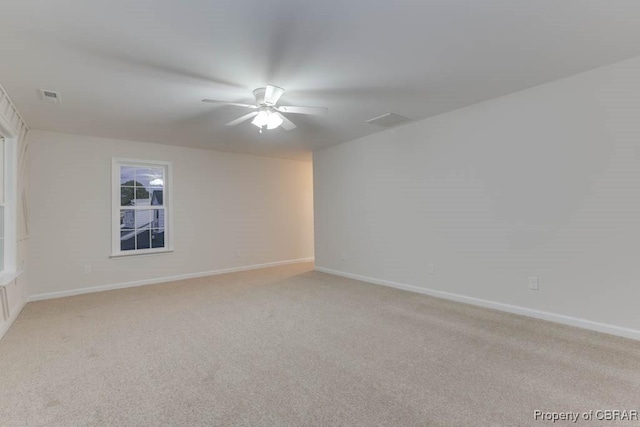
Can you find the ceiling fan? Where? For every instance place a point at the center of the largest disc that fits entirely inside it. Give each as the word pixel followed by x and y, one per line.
pixel 266 113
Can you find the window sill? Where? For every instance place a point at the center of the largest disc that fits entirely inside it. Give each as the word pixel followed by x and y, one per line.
pixel 8 277
pixel 138 254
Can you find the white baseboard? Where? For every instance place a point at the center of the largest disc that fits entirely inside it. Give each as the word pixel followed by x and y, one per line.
pixel 80 291
pixel 523 311
pixel 12 318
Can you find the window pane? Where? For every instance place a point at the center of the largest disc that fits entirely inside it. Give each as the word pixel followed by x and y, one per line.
pixel 127 240
pixel 157 197
pixel 144 218
pixel 150 177
pixel 157 238
pixel 127 175
pixel 142 197
pixel 127 219
pixel 143 239
pixel 126 196
pixel 157 178
pixel 158 218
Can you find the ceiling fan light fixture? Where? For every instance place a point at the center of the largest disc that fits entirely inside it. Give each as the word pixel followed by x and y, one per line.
pixel 274 121
pixel 260 120
pixel 267 117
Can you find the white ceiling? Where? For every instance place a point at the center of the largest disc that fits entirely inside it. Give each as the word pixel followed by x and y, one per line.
pixel 137 70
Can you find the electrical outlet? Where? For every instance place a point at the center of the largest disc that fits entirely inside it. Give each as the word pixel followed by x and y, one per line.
pixel 237 254
pixel 534 283
pixel 87 269
pixel 431 268
pixel 343 256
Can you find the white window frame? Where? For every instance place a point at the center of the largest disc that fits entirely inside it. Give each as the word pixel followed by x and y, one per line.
pixel 116 164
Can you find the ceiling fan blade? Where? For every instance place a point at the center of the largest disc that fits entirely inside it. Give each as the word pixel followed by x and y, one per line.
pixel 286 123
pixel 318 111
pixel 215 101
pixel 242 119
pixel 272 94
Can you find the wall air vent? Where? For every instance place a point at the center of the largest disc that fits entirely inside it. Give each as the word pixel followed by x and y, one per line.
pixel 389 120
pixel 50 96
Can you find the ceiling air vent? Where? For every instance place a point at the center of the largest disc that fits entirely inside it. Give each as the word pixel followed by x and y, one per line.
pixel 50 96
pixel 388 120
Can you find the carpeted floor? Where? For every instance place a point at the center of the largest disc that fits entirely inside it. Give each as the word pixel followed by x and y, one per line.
pixel 287 346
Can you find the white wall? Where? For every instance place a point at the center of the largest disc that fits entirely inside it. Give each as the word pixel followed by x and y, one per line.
pixel 230 210
pixel 543 182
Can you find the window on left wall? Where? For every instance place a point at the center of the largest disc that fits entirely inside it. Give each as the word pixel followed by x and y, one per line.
pixel 2 183
pixel 141 201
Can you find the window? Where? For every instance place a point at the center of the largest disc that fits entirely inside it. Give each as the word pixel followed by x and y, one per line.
pixel 141 207
pixel 2 180
pixel 8 238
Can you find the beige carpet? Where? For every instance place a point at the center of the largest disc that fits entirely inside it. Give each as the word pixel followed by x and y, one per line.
pixel 287 346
